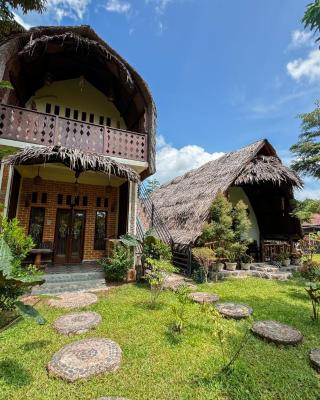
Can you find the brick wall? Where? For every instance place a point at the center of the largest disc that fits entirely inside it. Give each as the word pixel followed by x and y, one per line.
pixel 53 189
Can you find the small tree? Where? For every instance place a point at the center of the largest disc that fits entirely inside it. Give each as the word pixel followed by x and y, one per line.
pixel 179 310
pixel 205 257
pixel 305 209
pixel 117 266
pixel 152 185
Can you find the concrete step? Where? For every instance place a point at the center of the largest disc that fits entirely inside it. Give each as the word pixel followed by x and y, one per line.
pixel 74 276
pixel 60 287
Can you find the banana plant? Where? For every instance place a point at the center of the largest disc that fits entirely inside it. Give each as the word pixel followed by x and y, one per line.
pixel 15 282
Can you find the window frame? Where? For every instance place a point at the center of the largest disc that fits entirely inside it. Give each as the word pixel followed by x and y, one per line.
pixel 97 245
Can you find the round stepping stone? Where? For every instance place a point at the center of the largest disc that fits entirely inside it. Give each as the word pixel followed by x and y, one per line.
pixel 73 300
pixel 233 310
pixel 202 297
pixel 84 359
pixel 276 332
pixel 315 359
pixel 112 398
pixel 72 324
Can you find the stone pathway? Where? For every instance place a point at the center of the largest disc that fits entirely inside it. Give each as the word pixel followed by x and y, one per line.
pixel 174 281
pixel 202 297
pixel 73 300
pixel 276 332
pixel 233 310
pixel 84 359
pixel 315 359
pixel 72 324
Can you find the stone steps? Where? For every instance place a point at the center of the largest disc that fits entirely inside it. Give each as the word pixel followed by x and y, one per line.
pixel 69 286
pixel 74 276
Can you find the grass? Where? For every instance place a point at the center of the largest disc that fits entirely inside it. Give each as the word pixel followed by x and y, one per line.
pixel 316 257
pixel 160 365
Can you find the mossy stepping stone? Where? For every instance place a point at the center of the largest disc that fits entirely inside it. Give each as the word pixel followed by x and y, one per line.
pixel 85 358
pixel 73 300
pixel 76 323
pixel 234 310
pixel 277 333
pixel 315 359
pixel 202 297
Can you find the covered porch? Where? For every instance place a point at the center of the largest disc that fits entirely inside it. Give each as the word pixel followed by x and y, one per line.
pixel 73 204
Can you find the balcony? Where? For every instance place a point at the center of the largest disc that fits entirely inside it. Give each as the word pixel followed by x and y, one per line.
pixel 38 128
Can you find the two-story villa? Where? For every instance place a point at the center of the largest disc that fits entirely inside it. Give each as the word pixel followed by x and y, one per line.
pixel 81 123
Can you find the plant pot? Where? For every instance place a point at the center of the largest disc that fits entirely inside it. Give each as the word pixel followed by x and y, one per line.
pixel 245 266
pixel 131 275
pixel 286 262
pixel 296 261
pixel 218 267
pixel 231 266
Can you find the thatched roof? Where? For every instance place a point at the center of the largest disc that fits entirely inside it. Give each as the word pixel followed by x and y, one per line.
pixel 67 52
pixel 77 160
pixel 184 203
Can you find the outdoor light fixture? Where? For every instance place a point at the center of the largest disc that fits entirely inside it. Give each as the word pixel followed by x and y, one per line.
pixel 76 186
pixel 37 180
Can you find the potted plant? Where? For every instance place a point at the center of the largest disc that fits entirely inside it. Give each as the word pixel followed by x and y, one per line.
pixel 277 260
pixel 285 259
pixel 221 255
pixel 296 258
pixel 246 262
pixel 231 264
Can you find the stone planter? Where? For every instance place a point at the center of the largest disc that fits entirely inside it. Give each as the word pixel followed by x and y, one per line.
pixel 286 262
pixel 231 266
pixel 245 266
pixel 218 267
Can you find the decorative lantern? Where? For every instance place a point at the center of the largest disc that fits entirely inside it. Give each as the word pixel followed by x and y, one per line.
pixel 37 180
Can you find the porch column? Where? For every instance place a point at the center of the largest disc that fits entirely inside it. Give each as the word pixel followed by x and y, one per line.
pixel 132 209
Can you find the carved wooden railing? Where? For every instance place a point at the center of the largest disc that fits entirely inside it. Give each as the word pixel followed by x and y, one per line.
pixel 45 129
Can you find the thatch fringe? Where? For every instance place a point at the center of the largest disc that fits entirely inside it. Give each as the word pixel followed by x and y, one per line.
pixel 267 169
pixel 77 160
pixel 184 203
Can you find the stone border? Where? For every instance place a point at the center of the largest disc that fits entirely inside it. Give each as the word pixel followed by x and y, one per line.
pixel 77 323
pixel 277 332
pixel 314 357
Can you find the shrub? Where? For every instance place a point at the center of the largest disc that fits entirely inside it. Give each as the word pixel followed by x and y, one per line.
pixel 13 234
pixel 117 266
pixel 205 257
pixel 310 271
pixel 313 290
pixel 179 310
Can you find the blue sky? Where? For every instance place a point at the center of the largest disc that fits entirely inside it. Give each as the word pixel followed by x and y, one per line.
pixel 223 73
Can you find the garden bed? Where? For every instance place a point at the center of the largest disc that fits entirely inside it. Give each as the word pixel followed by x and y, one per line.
pixel 158 364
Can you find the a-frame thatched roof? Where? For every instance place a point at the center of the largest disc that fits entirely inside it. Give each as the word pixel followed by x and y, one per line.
pixel 77 160
pixel 184 203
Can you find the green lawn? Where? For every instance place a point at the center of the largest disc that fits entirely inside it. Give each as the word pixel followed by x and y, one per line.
pixel 316 257
pixel 157 365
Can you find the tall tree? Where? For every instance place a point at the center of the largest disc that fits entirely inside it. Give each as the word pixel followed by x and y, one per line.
pixel 311 18
pixel 7 20
pixel 307 150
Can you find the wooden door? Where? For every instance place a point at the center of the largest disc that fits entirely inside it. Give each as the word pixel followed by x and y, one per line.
pixel 69 236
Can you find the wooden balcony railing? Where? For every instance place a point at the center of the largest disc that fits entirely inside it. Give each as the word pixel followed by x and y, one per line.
pixel 45 129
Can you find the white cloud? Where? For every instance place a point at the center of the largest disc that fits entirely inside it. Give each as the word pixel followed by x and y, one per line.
pixel 307 193
pixel 159 5
pixel 308 68
pixel 118 6
pixel 21 21
pixel 173 162
pixel 74 9
pixel 301 39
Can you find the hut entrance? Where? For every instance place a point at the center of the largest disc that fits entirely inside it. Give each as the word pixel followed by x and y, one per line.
pixel 69 236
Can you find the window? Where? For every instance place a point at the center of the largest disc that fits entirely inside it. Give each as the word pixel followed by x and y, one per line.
pixel 106 202
pixel 44 198
pixel 75 114
pixel 85 201
pixel 34 197
pixel 56 110
pixel 60 198
pixel 67 112
pixel 98 202
pixel 48 108
pixel 91 118
pixel 36 224
pixel 83 116
pixel 108 121
pixel 100 230
pixel 101 120
pixel 68 200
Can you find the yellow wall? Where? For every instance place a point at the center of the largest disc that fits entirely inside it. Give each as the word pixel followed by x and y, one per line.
pixel 70 93
pixel 236 194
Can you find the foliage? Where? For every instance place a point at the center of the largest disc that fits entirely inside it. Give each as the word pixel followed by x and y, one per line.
pixel 7 20
pixel 6 151
pixel 205 257
pixel 117 266
pixel 307 150
pixel 313 290
pixel 228 229
pixel 305 209
pixel 152 185
pixel 221 333
pixel 310 270
pixel 309 245
pixel 311 18
pixel 5 85
pixel 156 275
pixel 246 258
pixel 15 281
pixel 180 310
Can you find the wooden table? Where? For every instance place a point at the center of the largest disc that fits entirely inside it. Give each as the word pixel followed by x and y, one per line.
pixel 38 253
